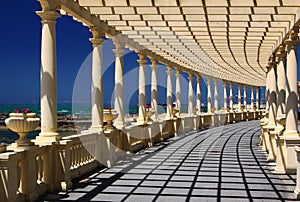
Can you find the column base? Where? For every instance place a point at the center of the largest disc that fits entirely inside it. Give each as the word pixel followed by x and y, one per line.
pixel 119 125
pixel 265 136
pixel 280 165
pixel 94 129
pixel 47 138
pixel 2 148
pixel 289 153
pixel 272 148
pixel 297 193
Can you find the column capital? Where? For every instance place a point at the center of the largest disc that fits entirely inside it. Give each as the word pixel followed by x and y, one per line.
pixel 153 61
pixel 119 52
pixel 169 70
pixel 198 78
pixel 118 41
pixel 178 72
pixel 48 16
pixel 97 41
pixel 142 61
pixel 191 76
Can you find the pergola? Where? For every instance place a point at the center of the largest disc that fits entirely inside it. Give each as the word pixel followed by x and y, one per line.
pixel 250 43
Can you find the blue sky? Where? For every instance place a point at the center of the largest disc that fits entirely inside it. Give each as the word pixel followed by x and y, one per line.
pixel 20 57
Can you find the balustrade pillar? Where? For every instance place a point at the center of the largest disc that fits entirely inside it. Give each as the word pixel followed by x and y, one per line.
pixel 178 90
pixel 191 95
pixel 216 103
pixel 154 90
pixel 119 82
pixel 97 84
pixel 199 93
pixel 169 93
pixel 48 77
pixel 142 88
pixel 209 96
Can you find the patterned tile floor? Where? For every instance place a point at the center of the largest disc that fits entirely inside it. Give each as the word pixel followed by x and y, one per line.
pixel 223 163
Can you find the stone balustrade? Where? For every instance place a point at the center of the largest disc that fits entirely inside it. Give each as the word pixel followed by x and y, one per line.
pixel 27 174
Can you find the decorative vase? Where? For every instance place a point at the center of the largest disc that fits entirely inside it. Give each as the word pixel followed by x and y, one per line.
pixel 109 115
pixel 22 124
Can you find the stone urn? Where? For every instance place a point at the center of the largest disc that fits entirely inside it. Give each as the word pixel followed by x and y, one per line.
pixel 109 115
pixel 22 123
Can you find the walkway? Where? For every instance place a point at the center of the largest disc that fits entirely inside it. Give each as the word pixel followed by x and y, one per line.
pixel 219 163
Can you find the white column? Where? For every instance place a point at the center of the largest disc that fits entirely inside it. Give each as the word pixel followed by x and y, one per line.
pixel 258 97
pixel 231 96
pixel 199 93
pixel 239 97
pixel 245 97
pixel 225 95
pixel 272 96
pixel 48 76
pixel 252 97
pixel 281 81
pixel 191 95
pixel 216 103
pixel 142 88
pixel 209 96
pixel 292 86
pixel 154 90
pixel 97 84
pixel 169 93
pixel 178 90
pixel 267 90
pixel 119 83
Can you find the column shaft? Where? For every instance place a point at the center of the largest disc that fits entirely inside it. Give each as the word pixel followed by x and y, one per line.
pixel 281 84
pixel 169 93
pixel 199 94
pixel 178 90
pixel 119 83
pixel 239 97
pixel 272 97
pixel 154 90
pixel 245 97
pixel 216 103
pixel 191 95
pixel 142 89
pixel 48 75
pixel 209 96
pixel 97 84
pixel 231 96
pixel 225 96
pixel 258 97
pixel 252 98
pixel 291 89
